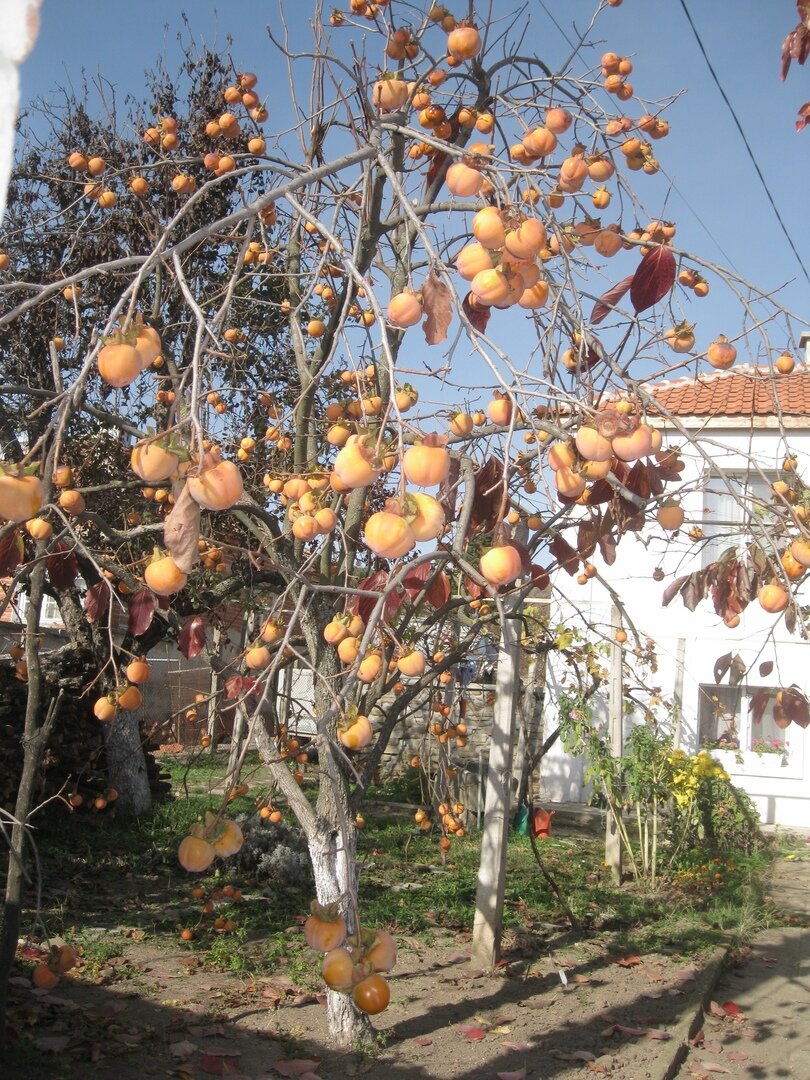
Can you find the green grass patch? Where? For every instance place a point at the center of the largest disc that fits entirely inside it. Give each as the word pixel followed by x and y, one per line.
pixel 126 872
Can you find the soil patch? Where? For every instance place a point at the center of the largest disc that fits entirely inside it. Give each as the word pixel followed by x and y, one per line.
pixel 154 1011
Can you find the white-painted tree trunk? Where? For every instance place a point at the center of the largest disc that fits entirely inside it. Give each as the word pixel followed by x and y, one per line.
pixel 497 809
pixel 332 851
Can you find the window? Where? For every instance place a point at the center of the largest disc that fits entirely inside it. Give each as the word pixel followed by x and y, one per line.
pixel 50 615
pixel 740 718
pixel 729 502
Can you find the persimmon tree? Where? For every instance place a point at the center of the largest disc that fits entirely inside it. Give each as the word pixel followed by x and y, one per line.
pixel 375 361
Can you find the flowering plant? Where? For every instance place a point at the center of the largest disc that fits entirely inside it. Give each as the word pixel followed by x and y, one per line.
pixel 768 746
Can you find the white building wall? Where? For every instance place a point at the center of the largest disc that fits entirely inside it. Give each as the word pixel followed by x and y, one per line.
pixel 780 786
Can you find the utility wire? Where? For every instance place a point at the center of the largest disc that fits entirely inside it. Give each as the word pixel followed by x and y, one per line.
pixel 745 141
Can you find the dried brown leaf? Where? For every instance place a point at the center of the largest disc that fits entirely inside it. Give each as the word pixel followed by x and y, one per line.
pixel 181 531
pixel 438 305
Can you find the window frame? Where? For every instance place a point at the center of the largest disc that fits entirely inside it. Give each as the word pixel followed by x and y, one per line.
pixel 744 723
pixel 720 534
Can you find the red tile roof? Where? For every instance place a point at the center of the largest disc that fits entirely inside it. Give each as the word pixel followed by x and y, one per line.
pixel 745 390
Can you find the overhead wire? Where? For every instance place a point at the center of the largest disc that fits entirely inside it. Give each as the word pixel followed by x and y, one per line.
pixel 746 143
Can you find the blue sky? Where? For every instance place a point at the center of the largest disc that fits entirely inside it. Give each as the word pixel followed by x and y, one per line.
pixel 716 198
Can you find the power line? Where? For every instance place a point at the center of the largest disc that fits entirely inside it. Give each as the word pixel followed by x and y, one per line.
pixel 754 162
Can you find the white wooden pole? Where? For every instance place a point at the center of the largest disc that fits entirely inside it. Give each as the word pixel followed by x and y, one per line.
pixel 492 868
pixel 613 842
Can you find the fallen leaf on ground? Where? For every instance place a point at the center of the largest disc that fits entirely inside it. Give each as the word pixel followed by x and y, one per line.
pixel 221 1063
pixel 685 975
pixel 296 1067
pixel 182 1049
pixel 423 1041
pixel 711 1046
pixel 715 1009
pixel 737 1055
pixel 576 1055
pixel 622 1029
pixel 659 1035
pixel 732 1008
pixel 521 1048
pixel 518 1074
pixel 628 961
pixel 473 1034
pixel 714 1067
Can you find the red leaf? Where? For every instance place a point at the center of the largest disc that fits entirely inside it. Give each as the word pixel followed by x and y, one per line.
pixel 364 605
pixel 732 1008
pixel 607 301
pixel 478 316
pixel 220 1063
pixel 141 611
pixel 629 961
pixel 721 666
pixel 11 552
pixel 191 640
pixel 716 1010
pixel 766 667
pixel 63 567
pixel 439 590
pixel 473 1034
pixel 415 578
pixel 423 1041
pixel 540 578
pixel 438 306
pixel 237 685
pixel 654 277
pixel 565 555
pixel 489 508
pixel 473 588
pixel 97 601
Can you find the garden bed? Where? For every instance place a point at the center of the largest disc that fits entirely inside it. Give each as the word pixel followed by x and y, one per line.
pixel 142 1002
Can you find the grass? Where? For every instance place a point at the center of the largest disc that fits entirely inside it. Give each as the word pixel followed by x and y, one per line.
pixel 406 885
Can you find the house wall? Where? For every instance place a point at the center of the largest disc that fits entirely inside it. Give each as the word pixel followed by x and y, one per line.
pixel 779 784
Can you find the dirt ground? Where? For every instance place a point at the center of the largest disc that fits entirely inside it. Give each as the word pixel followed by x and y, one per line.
pixel 154 1012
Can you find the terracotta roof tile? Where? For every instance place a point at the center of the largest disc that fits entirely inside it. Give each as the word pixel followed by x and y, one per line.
pixel 744 390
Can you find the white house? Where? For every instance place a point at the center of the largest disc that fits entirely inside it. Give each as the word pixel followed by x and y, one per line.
pixel 748 420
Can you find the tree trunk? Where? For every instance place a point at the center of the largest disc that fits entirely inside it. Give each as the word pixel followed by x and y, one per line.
pixel 36 737
pixel 126 764
pixel 332 838
pixel 332 851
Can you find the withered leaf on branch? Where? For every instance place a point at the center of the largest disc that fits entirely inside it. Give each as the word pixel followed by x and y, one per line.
pixel 181 531
pixel 191 640
pixel 607 301
pixel 63 567
pixel 438 306
pixel 97 600
pixel 567 557
pixel 488 505
pixel 11 552
pixel 364 605
pixel 721 666
pixel 654 277
pixel 141 611
pixel 478 316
